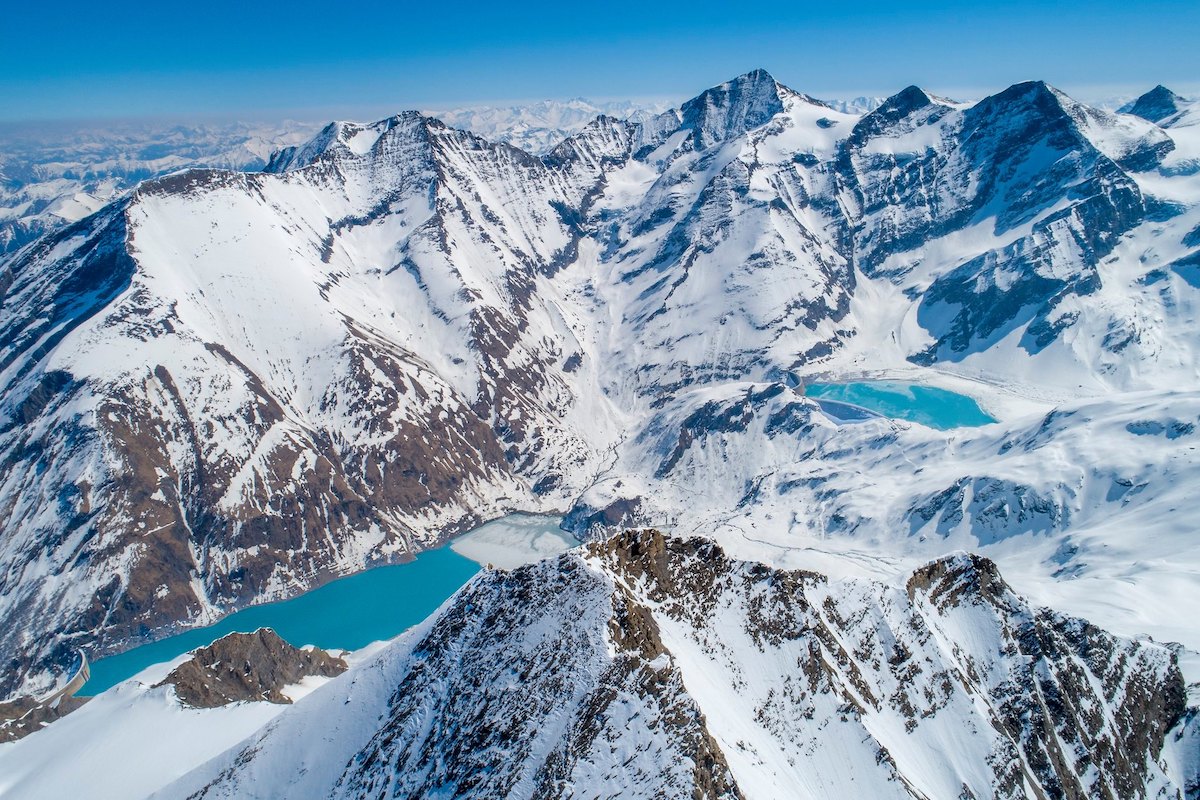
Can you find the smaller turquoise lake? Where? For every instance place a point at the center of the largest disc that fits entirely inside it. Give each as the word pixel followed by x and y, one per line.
pixel 927 405
pixel 345 614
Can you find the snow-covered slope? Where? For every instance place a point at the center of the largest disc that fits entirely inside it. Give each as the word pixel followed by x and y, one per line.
pixel 230 386
pixel 55 174
pixel 652 667
pixel 1086 507
pixel 142 734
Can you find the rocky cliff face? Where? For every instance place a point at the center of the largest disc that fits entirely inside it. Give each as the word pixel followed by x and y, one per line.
pixel 230 387
pixel 238 668
pixel 650 666
pixel 1156 105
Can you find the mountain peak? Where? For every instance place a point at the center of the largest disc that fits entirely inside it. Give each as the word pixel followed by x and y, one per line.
pixel 1155 105
pixel 908 99
pixel 895 110
pixel 1130 144
pixel 733 107
pixel 1036 97
pixel 1030 90
pixel 758 75
pixel 346 138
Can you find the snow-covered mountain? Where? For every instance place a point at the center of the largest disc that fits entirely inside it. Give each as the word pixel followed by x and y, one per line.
pixel 1156 105
pixel 230 386
pixel 53 174
pixel 652 666
pixel 539 127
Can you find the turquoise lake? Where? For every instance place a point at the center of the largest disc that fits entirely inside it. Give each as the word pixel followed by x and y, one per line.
pixel 936 408
pixel 345 614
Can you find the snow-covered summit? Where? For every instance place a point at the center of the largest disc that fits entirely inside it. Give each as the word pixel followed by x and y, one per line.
pixel 734 107
pixel 1155 105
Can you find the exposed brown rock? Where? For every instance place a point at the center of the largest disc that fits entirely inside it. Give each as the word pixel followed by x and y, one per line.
pixel 248 667
pixel 654 666
pixel 25 715
pixel 948 581
pixel 1044 677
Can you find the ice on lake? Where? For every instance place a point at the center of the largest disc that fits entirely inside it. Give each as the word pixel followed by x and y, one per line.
pixel 927 405
pixel 514 540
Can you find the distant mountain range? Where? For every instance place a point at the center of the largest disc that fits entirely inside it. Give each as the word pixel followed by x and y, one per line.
pixel 228 386
pixel 52 174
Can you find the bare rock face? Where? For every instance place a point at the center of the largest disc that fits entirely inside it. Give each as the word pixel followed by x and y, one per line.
pixel 25 715
pixel 652 666
pixel 1155 105
pixel 248 667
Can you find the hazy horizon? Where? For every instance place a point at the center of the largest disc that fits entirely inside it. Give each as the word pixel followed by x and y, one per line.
pixel 232 61
pixel 1100 96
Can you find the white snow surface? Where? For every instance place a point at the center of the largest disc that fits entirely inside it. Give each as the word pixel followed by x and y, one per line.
pixel 124 744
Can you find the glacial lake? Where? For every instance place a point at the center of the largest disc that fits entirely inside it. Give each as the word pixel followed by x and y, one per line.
pixel 354 611
pixel 928 405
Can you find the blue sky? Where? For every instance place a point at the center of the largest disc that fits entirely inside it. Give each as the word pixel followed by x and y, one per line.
pixel 73 59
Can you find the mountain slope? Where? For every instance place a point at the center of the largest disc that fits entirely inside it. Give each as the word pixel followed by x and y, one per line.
pixel 651 666
pixel 251 422
pixel 1155 105
pixel 55 174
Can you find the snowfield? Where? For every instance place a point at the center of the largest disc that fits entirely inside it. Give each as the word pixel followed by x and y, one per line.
pixel 515 540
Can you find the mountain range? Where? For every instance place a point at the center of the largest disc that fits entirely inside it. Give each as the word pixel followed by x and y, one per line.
pixel 53 174
pixel 227 387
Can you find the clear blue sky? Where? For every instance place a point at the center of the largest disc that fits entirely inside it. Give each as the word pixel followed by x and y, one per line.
pixel 96 58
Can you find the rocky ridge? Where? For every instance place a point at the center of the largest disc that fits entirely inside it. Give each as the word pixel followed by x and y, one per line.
pixel 245 667
pixel 646 666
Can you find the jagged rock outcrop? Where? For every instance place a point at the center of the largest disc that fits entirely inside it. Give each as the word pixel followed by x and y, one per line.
pixel 651 666
pixel 248 667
